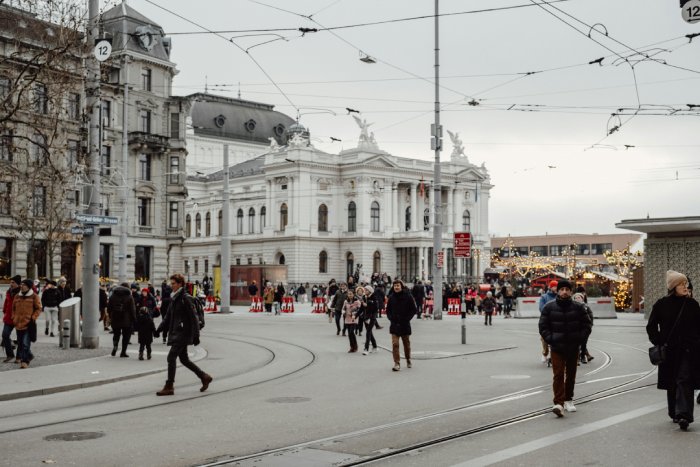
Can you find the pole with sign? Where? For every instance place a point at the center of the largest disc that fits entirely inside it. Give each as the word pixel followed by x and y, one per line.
pixel 690 10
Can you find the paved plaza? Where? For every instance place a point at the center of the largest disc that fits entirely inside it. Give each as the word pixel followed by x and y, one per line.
pixel 287 393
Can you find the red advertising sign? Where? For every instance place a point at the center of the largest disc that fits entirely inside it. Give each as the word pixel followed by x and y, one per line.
pixel 440 259
pixel 463 245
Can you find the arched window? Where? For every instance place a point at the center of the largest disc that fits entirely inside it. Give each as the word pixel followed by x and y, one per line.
pixel 251 220
pixel 239 222
pixel 426 219
pixel 188 226
pixel 408 219
pixel 352 217
pixel 466 221
pixel 198 225
pixel 207 224
pixel 323 262
pixel 377 262
pixel 263 218
pixel 281 260
pixel 323 218
pixel 221 222
pixel 349 264
pixel 283 216
pixel 374 216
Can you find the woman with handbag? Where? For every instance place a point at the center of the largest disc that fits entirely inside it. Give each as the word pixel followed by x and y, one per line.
pixel 674 329
pixel 26 308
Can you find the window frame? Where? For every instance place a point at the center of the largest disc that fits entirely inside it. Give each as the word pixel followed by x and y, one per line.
pixel 174 214
pixel 352 216
pixel 144 167
pixel 323 218
pixel 374 214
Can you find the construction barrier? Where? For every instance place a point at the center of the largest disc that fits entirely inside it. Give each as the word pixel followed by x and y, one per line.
pixel 287 305
pixel 210 305
pixel 602 307
pixel 256 305
pixel 453 306
pixel 527 307
pixel 318 305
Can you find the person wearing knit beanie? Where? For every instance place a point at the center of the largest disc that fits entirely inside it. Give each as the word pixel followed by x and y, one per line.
pixel 674 279
pixel 16 279
pixel 564 283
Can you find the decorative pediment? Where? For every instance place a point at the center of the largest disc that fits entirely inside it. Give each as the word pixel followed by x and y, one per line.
pixel 471 174
pixel 379 161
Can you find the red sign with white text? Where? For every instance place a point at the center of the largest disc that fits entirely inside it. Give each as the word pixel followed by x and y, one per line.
pixel 463 245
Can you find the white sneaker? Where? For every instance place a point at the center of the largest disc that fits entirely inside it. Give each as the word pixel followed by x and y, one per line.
pixel 558 410
pixel 569 406
pixel 364 352
pixel 544 359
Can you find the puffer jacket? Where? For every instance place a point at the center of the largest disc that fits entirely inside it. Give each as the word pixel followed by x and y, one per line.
pixel 339 300
pixel 400 309
pixel 25 307
pixel 181 321
pixel 7 306
pixel 51 297
pixel 564 325
pixel 121 308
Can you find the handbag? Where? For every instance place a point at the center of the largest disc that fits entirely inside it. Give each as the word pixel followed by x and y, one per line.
pixel 657 353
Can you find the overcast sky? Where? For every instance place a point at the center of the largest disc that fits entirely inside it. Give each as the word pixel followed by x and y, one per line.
pixel 542 136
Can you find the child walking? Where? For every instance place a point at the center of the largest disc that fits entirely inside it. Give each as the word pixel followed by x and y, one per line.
pixel 146 329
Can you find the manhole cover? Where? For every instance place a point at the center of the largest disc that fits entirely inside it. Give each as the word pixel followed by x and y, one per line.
pixel 288 400
pixel 510 376
pixel 75 436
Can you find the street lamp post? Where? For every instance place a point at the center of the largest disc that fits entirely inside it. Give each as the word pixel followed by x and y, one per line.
pixel 436 143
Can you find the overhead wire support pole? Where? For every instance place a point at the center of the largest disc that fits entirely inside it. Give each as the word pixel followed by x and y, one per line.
pixel 124 192
pixel 91 243
pixel 437 188
pixel 225 292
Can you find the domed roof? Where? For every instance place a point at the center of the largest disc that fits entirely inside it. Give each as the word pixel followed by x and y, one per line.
pixel 238 119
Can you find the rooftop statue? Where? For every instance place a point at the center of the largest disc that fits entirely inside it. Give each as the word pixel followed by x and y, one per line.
pixel 457 145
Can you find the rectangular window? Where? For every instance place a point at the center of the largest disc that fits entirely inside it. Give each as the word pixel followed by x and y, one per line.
pixel 600 248
pixel 142 266
pixel 539 250
pixel 558 250
pixel 39 201
pixel 175 125
pixel 583 249
pixel 6 147
pixel 39 150
pixel 145 167
pixel 106 111
pixel 143 211
pixel 145 121
pixel 6 255
pixel 73 106
pixel 196 266
pixel 5 196
pixel 41 99
pixel 206 266
pixel 72 152
pixel 174 215
pixel 105 269
pixel 106 160
pixel 37 256
pixel 5 87
pixel 174 170
pixel 104 204
pixel 146 79
pixel 520 251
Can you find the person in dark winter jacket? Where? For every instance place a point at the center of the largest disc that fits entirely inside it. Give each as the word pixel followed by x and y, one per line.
pixel 66 292
pixel 146 329
pixel 370 319
pixel 675 322
pixel 167 292
pixel 182 324
pixel 8 324
pixel 122 312
pixel 337 304
pixel 585 356
pixel 564 325
pixel 50 299
pixel 400 309
pixel 489 307
pixel 418 292
pixel 545 298
pixel 148 300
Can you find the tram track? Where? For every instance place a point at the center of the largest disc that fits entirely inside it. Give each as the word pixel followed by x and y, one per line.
pixel 166 402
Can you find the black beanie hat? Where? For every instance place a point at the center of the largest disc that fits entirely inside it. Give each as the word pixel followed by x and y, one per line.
pixel 29 283
pixel 564 283
pixel 16 279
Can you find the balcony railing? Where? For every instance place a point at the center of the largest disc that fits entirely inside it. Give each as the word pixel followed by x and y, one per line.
pixel 149 139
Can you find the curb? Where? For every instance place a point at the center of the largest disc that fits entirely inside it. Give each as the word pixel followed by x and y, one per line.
pixel 89 384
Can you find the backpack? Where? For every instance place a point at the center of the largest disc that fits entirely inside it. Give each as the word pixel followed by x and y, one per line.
pixel 198 309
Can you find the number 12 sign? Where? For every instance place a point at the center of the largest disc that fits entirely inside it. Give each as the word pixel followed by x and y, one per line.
pixel 691 11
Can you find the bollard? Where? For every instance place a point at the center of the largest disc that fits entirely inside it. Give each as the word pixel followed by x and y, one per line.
pixel 65 343
pixel 464 328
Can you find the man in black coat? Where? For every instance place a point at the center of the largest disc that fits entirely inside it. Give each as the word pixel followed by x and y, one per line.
pixel 122 312
pixel 564 325
pixel 418 292
pixel 400 309
pixel 182 325
pixel 50 299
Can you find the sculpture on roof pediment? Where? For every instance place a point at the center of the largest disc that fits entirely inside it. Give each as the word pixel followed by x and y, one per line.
pixel 274 146
pixel 367 140
pixel 457 146
pixel 298 141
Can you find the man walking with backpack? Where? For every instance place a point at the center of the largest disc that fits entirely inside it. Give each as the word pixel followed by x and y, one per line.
pixel 182 325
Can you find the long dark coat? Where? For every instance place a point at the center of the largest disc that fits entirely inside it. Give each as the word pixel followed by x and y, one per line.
pixel 181 321
pixel 400 309
pixel 685 337
pixel 121 308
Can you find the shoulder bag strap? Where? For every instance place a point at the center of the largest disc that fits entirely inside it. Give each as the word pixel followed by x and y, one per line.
pixel 677 319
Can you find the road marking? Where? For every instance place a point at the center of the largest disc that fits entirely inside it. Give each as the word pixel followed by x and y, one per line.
pixel 548 441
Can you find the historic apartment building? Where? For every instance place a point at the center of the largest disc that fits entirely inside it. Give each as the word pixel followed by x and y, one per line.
pixel 146 157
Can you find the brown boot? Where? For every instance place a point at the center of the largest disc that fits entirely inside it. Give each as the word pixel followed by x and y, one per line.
pixel 206 379
pixel 167 390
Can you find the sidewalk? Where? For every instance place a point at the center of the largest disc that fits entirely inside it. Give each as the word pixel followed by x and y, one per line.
pixel 56 370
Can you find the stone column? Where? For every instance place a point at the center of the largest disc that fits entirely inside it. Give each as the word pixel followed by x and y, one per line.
pixel 449 210
pixel 268 208
pixel 386 214
pixel 395 211
pixel 414 207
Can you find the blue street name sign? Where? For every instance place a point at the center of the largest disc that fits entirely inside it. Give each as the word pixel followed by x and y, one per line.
pixel 96 220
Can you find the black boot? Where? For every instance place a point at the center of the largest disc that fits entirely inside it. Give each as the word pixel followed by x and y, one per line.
pixel 114 350
pixel 140 355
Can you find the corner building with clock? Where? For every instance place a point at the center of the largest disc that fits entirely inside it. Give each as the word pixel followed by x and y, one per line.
pixel 319 215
